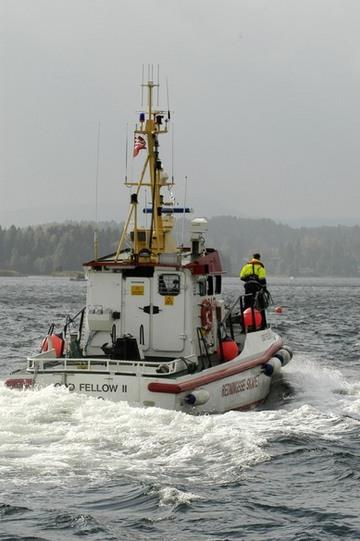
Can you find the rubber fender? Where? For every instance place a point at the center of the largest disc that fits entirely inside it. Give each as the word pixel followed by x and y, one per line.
pixel 53 341
pixel 197 398
pixel 289 350
pixel 273 366
pixel 268 370
pixel 283 355
pixel 19 383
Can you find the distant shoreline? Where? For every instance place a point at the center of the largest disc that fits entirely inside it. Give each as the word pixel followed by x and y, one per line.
pixel 78 276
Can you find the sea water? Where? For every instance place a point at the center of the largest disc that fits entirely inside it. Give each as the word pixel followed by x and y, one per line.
pixel 73 467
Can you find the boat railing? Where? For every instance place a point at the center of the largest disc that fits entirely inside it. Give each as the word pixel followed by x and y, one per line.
pixel 234 316
pixel 71 320
pixel 102 364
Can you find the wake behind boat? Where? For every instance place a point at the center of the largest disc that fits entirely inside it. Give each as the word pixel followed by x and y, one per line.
pixel 155 330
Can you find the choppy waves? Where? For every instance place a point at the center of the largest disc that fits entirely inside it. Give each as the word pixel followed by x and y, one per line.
pixel 75 466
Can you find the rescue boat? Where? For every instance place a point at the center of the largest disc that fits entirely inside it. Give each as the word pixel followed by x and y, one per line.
pixel 155 330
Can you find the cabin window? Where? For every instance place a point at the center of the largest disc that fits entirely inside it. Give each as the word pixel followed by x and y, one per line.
pixel 169 284
pixel 218 284
pixel 210 285
pixel 202 288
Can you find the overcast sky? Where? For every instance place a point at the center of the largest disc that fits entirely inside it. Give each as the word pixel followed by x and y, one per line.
pixel 265 94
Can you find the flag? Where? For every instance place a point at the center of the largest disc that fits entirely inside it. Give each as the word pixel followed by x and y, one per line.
pixel 139 144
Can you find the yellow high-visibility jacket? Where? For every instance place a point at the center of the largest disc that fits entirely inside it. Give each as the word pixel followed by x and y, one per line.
pixel 253 270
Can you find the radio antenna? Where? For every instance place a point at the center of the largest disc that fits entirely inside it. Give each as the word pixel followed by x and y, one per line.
pixel 96 242
pixel 126 152
pixel 158 83
pixel 167 97
pixel 183 223
pixel 142 86
pixel 172 155
pixel 146 206
pixel 172 131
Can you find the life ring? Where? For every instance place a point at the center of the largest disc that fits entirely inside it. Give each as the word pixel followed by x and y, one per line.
pixel 206 315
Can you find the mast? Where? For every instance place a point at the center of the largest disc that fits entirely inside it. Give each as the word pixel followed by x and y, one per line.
pixel 148 244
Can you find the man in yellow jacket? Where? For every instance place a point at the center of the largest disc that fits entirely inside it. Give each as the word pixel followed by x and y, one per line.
pixel 253 274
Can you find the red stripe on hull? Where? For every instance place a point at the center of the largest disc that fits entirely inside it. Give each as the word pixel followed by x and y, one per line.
pixel 176 388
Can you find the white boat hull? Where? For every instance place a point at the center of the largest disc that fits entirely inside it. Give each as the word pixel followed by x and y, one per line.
pixel 244 390
pixel 241 383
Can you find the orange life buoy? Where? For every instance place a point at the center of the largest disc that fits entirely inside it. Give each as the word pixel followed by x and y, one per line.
pixel 206 315
pixel 53 341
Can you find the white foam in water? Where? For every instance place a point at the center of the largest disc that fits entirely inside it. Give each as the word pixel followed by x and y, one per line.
pixel 314 383
pixel 329 401
pixel 52 436
pixel 172 496
pixel 62 436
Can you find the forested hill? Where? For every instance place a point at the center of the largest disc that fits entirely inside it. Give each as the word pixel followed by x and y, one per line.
pixel 286 251
pixel 46 249
pixel 330 251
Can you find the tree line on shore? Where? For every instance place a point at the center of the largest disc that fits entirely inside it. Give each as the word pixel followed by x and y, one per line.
pixel 286 251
